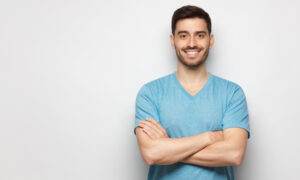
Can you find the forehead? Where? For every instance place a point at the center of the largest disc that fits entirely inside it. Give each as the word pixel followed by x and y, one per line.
pixel 191 25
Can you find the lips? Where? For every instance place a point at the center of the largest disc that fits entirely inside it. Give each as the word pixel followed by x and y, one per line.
pixel 192 53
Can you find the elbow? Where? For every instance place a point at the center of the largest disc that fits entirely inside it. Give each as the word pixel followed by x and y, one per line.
pixel 237 162
pixel 149 162
pixel 155 156
pixel 149 157
pixel 237 158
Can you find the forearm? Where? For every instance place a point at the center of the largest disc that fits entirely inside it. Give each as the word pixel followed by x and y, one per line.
pixel 229 152
pixel 218 154
pixel 171 150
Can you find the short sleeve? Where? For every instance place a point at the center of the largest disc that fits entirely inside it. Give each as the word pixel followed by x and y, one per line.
pixel 236 113
pixel 145 106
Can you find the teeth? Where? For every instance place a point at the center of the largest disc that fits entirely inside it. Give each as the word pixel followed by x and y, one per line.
pixel 193 52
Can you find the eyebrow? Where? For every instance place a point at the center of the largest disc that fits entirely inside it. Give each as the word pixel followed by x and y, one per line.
pixel 197 32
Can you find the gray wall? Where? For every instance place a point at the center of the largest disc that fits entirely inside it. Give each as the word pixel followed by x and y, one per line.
pixel 70 72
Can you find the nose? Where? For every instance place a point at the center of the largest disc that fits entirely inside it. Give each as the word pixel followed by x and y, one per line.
pixel 192 42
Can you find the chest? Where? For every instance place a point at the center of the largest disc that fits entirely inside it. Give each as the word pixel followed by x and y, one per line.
pixel 185 117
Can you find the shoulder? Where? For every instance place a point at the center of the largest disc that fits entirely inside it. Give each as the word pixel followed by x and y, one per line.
pixel 228 89
pixel 155 88
pixel 158 84
pixel 226 84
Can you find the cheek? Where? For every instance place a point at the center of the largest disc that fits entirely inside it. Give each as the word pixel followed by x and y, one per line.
pixel 207 43
pixel 180 44
pixel 178 47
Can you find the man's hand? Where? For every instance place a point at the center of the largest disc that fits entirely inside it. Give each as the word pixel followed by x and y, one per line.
pixel 216 136
pixel 152 128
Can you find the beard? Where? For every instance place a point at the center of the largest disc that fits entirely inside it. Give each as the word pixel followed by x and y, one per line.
pixel 192 65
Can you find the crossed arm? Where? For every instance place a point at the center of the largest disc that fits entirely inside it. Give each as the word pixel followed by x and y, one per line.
pixel 215 148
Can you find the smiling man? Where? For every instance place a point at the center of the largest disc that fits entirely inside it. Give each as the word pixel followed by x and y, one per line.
pixel 191 124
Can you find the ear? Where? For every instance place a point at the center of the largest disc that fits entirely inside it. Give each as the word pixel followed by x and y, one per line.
pixel 172 41
pixel 212 41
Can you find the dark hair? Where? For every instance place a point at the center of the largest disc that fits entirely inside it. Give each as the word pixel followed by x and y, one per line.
pixel 189 11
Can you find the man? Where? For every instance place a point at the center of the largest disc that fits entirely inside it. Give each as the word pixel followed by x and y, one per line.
pixel 191 124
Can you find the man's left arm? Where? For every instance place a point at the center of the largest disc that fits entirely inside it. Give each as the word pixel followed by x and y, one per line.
pixel 228 152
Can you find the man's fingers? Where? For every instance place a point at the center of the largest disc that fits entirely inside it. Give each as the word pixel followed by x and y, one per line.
pixel 150 132
pixel 158 125
pixel 155 126
pixel 154 123
pixel 218 135
pixel 152 126
pixel 150 129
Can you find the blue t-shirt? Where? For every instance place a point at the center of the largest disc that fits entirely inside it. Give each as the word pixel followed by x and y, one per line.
pixel 220 104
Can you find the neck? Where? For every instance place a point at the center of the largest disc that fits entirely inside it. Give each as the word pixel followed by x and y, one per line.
pixel 192 76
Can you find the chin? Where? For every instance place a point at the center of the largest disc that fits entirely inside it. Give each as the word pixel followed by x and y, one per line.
pixel 194 64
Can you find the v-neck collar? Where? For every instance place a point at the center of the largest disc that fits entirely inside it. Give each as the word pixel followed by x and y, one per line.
pixel 199 92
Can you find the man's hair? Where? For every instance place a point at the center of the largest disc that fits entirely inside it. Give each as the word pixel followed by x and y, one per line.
pixel 189 11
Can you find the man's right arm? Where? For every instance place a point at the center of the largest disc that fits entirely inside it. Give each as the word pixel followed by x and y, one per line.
pixel 171 150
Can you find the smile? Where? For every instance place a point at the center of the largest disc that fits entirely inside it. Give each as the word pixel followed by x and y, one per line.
pixel 192 53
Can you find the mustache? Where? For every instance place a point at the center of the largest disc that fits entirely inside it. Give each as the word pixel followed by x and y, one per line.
pixel 192 48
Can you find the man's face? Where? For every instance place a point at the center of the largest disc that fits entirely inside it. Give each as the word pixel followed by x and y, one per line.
pixel 191 41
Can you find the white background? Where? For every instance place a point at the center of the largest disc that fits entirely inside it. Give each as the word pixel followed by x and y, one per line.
pixel 70 72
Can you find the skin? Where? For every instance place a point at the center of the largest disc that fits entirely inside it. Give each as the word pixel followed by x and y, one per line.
pixel 192 35
pixel 212 149
pixel 157 148
pixel 228 148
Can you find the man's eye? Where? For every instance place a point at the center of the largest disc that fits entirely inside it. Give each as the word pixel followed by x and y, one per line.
pixel 201 36
pixel 182 36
